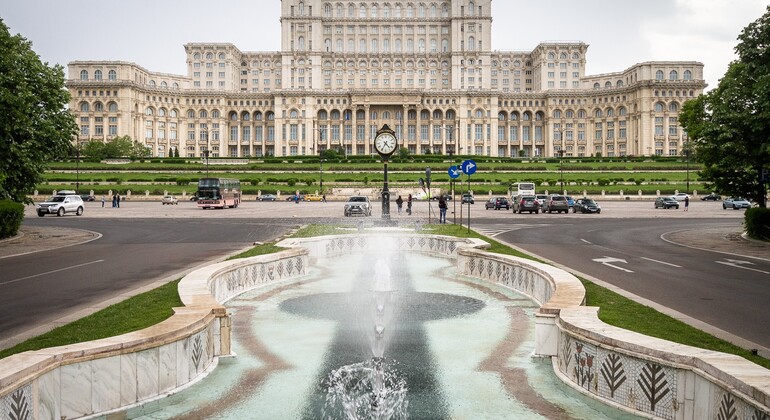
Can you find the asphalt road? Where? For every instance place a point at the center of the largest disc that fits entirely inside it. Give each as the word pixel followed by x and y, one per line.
pixel 144 243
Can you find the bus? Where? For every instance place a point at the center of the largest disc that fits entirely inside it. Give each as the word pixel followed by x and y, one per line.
pixel 525 188
pixel 219 193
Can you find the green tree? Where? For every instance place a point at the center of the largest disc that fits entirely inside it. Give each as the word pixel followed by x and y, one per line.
pixel 35 126
pixel 730 125
pixel 94 150
pixel 140 151
pixel 403 153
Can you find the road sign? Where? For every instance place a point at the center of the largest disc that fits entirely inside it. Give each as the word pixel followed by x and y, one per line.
pixel 454 172
pixel 468 167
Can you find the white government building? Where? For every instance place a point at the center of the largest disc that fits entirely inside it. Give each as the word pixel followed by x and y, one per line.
pixel 425 68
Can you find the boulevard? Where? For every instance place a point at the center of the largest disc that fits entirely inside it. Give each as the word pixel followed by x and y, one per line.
pixel 658 255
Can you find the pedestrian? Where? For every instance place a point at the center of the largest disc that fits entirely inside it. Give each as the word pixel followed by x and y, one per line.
pixel 118 200
pixel 323 198
pixel 686 203
pixel 442 208
pixel 296 198
pixel 114 200
pixel 409 205
pixel 102 200
pixel 399 203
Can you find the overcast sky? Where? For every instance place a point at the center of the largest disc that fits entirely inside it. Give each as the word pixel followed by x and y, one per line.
pixel 152 33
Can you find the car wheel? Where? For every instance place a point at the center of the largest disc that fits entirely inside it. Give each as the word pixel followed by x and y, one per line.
pixel 40 213
pixel 60 212
pixel 598 211
pixel 79 211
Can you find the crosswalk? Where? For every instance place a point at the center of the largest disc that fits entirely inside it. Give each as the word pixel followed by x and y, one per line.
pixel 493 230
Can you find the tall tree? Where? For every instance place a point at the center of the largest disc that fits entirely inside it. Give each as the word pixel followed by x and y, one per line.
pixel 730 125
pixel 35 125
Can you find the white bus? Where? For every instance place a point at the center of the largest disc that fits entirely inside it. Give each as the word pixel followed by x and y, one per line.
pixel 525 188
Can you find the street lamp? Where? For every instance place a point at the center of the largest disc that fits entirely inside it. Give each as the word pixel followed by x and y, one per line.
pixel 561 168
pixel 77 167
pixel 687 156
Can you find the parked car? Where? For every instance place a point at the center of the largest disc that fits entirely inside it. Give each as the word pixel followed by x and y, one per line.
pixel 586 205
pixel 169 199
pixel 497 203
pixel 60 205
pixel 292 197
pixel 711 197
pixel 542 198
pixel 313 197
pixel 87 197
pixel 267 197
pixel 358 205
pixel 680 196
pixel 666 203
pixel 557 203
pixel 522 203
pixel 194 197
pixel 570 200
pixel 467 198
pixel 735 203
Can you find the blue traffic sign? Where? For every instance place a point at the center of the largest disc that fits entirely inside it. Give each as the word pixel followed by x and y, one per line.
pixel 468 167
pixel 454 172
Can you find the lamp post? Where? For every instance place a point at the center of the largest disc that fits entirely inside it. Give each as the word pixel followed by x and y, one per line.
pixel 561 169
pixel 687 156
pixel 77 167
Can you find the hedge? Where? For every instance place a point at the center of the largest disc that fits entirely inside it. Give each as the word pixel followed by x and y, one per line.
pixel 757 223
pixel 11 215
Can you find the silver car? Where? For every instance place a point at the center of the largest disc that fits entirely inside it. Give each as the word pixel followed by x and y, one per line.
pixel 60 205
pixel 735 203
pixel 358 205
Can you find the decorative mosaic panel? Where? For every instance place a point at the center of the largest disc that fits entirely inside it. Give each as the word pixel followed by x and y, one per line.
pixel 17 405
pixel 420 243
pixel 639 384
pixel 726 406
pixel 245 278
pixel 509 274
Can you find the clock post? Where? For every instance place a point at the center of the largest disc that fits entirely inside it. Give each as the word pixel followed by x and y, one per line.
pixel 385 145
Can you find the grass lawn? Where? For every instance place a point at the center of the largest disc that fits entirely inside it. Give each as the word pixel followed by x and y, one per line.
pixel 154 306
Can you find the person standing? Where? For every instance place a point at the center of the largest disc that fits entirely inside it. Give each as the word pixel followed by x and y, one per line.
pixel 114 200
pixel 399 203
pixel 409 205
pixel 102 200
pixel 118 200
pixel 686 203
pixel 442 209
pixel 323 198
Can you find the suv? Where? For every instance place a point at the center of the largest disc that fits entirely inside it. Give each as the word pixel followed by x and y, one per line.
pixel 358 204
pixel 522 203
pixel 61 204
pixel 497 203
pixel 467 198
pixel 542 199
pixel 169 199
pixel 666 203
pixel 556 203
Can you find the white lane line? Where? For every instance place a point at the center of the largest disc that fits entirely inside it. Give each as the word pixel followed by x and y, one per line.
pixel 583 240
pixel 661 262
pixel 50 272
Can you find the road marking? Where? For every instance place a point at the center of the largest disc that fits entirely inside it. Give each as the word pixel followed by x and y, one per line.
pixel 583 240
pixel 661 262
pixel 50 272
pixel 607 260
pixel 741 264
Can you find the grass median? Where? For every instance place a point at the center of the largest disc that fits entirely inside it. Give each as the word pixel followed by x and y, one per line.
pixel 149 308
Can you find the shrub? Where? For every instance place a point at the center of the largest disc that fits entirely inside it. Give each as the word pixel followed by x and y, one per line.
pixel 291 182
pixel 757 223
pixel 11 215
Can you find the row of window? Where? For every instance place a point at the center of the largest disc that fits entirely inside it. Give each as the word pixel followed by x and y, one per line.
pixel 375 10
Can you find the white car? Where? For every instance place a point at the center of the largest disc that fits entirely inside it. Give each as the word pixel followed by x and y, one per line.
pixel 60 205
pixel 169 199
pixel 358 205
pixel 680 196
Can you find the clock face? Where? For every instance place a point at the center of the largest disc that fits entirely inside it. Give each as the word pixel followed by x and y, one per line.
pixel 385 143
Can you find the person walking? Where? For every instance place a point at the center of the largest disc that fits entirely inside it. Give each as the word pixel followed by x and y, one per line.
pixel 118 200
pixel 323 198
pixel 686 203
pixel 399 203
pixel 114 200
pixel 102 200
pixel 409 205
pixel 442 209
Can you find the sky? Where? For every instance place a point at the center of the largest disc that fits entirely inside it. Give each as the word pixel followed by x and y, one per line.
pixel 152 33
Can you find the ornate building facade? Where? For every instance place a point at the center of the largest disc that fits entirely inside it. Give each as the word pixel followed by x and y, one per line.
pixel 424 67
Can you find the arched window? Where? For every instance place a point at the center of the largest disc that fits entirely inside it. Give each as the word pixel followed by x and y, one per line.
pixel 257 116
pixel 245 116
pixel 569 114
pixel 659 107
pixel 293 114
pixel 97 75
pixel 163 84
pixel 112 75
pixel 575 56
pixel 582 113
pixel 301 43
pixel 622 111
pixel 551 56
pixel 673 107
pixel 597 85
pixel 112 107
pixel 563 56
pixel 209 56
pixel 527 116
pixel 197 56
pixel 607 84
pixel 471 43
pixel 659 75
pixel 149 111
pixel 436 114
pixel 479 113
pixel 557 113
pixel 203 113
pixel 215 113
pixel 335 115
pixel 687 75
pixel 152 83
pixel 673 75
pixel 190 113
pixel 598 113
pixel 610 112
pixel 175 85
pixel 270 116
pixel 619 83
pixel 161 112
pixel 539 116
pixel 83 74
pixel 174 113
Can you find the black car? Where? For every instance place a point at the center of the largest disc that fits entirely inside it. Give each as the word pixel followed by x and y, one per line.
pixel 87 197
pixel 497 203
pixel 522 203
pixel 586 205
pixel 666 203
pixel 711 197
